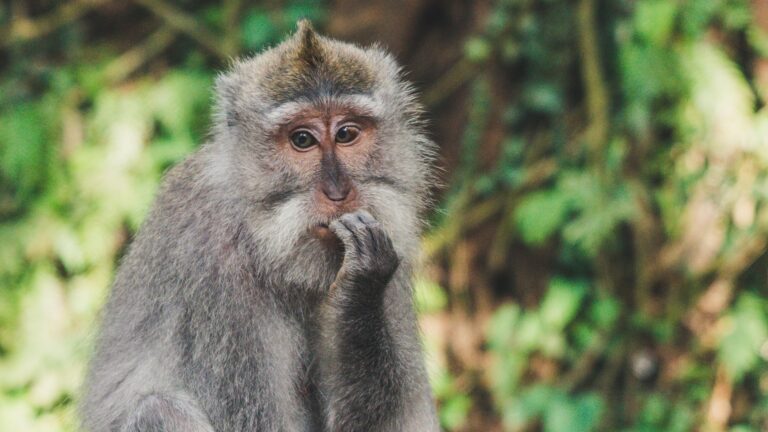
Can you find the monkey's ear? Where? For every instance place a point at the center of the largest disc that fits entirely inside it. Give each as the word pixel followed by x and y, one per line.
pixel 309 49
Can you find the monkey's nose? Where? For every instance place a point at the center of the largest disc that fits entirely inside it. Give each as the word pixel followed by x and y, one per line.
pixel 335 193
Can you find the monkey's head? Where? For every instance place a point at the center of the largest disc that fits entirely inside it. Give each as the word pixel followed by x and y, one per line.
pixel 315 128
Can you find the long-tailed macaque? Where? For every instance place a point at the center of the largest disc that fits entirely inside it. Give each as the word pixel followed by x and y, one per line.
pixel 269 288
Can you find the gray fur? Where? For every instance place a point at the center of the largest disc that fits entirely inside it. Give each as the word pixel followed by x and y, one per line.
pixel 226 316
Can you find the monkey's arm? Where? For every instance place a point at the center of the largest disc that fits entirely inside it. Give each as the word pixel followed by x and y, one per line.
pixel 372 365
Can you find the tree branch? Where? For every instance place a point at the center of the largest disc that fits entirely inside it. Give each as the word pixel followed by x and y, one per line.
pixel 23 28
pixel 233 10
pixel 187 24
pixel 594 81
pixel 457 75
pixel 128 62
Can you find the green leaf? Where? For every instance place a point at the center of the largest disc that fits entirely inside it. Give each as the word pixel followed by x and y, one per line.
pixel 537 399
pixel 605 311
pixel 739 349
pixel 573 414
pixel 543 97
pixel 501 327
pixel 24 153
pixel 530 332
pixel 477 49
pixel 429 296
pixel 179 101
pixel 562 302
pixel 507 371
pixel 540 214
pixel 600 208
pixel 453 413
pixel 742 428
pixel 654 20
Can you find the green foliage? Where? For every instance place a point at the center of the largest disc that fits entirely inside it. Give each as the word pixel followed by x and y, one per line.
pixel 540 214
pixel 637 189
pixel 560 304
pixel 429 296
pixel 745 336
pixel 518 337
pixel 64 246
pixel 453 413
pixel 477 49
pixel 557 410
pixel 580 207
pixel 455 403
pixel 25 155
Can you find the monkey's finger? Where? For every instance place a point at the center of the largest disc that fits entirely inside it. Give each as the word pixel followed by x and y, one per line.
pixel 371 225
pixel 353 222
pixel 366 218
pixel 379 237
pixel 346 232
pixel 365 227
pixel 342 232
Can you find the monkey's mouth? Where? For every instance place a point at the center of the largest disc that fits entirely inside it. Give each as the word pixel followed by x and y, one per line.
pixel 322 232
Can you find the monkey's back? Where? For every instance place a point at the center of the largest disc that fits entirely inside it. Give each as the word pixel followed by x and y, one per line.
pixel 184 270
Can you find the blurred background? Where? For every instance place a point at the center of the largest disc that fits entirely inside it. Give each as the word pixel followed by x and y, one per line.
pixel 597 258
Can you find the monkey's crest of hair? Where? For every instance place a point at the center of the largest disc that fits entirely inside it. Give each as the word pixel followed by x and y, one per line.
pixel 310 65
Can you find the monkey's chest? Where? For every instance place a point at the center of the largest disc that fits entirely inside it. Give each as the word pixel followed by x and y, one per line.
pixel 308 395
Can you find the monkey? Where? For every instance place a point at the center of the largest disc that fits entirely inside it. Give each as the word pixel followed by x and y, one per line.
pixel 269 288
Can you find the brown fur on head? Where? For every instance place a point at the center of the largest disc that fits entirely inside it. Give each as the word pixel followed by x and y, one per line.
pixel 305 66
pixel 309 65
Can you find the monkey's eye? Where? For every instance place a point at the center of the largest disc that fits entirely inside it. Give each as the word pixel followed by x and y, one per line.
pixel 347 134
pixel 303 140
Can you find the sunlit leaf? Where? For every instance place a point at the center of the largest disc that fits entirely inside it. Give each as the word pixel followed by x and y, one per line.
pixel 24 153
pixel 429 296
pixel 654 19
pixel 477 49
pixel 454 411
pixel 540 214
pixel 580 413
pixel 562 302
pixel 501 326
pixel 747 332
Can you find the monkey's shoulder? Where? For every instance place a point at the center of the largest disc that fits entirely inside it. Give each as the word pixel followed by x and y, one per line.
pixel 191 213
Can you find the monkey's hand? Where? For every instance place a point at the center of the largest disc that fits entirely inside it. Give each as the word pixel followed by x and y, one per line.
pixel 370 259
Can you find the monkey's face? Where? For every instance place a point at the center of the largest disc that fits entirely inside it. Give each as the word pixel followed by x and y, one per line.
pixel 321 128
pixel 329 156
pixel 329 151
pixel 322 158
